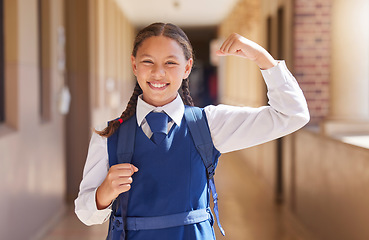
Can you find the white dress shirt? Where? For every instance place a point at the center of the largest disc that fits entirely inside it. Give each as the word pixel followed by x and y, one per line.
pixel 232 128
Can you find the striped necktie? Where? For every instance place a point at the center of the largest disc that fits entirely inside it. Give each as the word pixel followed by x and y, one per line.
pixel 158 122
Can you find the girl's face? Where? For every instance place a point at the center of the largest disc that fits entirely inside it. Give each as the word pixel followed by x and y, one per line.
pixel 160 66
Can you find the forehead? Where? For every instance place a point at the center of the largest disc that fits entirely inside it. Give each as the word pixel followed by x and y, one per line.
pixel 160 46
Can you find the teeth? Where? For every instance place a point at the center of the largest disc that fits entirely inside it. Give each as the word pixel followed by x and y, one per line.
pixel 158 85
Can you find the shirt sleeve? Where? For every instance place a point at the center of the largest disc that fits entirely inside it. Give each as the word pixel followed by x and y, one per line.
pixel 233 128
pixel 94 173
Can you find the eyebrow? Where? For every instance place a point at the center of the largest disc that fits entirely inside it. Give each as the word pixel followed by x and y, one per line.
pixel 173 56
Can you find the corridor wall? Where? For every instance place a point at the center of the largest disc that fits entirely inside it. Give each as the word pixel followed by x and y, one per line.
pixel 327 185
pixel 32 157
pixel 48 45
pixel 99 44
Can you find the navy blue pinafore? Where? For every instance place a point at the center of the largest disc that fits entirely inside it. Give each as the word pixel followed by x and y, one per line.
pixel 171 181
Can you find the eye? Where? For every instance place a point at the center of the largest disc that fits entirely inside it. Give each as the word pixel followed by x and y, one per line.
pixel 171 63
pixel 147 61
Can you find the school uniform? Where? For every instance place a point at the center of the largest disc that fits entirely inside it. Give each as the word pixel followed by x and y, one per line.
pixel 171 177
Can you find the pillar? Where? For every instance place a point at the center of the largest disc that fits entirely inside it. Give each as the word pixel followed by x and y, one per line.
pixel 349 100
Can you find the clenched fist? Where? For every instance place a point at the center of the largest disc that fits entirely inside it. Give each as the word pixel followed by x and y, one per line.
pixel 117 181
pixel 237 45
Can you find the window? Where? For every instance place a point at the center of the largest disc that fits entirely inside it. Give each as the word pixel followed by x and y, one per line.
pixel 2 75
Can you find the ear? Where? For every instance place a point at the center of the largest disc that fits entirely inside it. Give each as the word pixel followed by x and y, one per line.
pixel 134 66
pixel 188 68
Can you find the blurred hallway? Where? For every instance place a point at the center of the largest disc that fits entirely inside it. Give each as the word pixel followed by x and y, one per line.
pixel 65 69
pixel 247 210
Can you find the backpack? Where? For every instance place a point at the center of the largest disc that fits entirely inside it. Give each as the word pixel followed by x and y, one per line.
pixel 125 136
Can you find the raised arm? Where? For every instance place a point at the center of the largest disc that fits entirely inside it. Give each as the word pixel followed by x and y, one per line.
pixel 233 128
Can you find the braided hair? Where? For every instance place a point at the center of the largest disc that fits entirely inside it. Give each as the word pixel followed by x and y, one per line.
pixel 156 29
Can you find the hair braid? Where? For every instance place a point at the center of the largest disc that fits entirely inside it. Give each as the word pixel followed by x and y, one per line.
pixel 128 113
pixel 187 99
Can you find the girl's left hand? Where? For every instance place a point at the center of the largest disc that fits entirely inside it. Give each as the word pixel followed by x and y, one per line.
pixel 237 45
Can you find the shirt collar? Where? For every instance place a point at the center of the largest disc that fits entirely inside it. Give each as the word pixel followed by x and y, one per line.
pixel 174 110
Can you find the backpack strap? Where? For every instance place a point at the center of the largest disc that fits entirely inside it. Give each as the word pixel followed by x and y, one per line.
pixel 200 133
pixel 124 136
pixel 127 136
pixel 199 129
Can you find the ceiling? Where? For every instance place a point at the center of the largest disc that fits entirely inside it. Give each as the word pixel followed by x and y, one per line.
pixel 185 13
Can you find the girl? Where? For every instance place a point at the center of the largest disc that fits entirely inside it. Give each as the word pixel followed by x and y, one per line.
pixel 166 175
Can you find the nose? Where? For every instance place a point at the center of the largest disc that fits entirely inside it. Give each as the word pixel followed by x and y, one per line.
pixel 158 71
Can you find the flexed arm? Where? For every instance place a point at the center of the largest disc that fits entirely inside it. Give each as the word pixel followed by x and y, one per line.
pixel 233 128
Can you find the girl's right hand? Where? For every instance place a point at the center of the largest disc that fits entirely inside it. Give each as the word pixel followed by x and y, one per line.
pixel 117 181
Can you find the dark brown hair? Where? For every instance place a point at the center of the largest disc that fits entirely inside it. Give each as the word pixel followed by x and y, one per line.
pixel 156 29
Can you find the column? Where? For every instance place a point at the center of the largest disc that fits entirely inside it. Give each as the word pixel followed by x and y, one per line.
pixel 349 100
pixel 350 60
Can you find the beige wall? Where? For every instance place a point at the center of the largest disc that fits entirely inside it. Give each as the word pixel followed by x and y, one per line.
pixel 349 102
pixel 350 61
pixel 32 157
pixel 111 36
pixel 329 191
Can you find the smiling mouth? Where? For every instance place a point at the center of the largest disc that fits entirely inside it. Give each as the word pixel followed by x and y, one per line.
pixel 158 85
